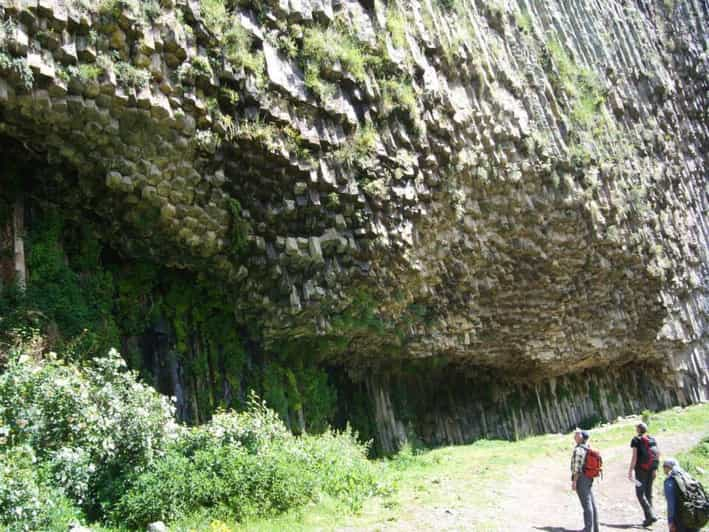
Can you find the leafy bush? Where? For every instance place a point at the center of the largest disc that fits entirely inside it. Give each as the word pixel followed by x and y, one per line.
pixel 72 299
pixel 328 47
pixel 237 44
pixel 396 25
pixel 361 149
pixel 214 13
pixel 229 477
pixel 95 436
pixel 91 426
pixel 336 462
pixel 247 465
pixel 18 68
pixel 26 501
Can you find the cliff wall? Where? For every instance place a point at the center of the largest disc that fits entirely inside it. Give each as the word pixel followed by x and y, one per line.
pixel 497 195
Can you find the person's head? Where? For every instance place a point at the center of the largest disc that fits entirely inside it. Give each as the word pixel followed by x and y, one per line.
pixel 581 436
pixel 669 465
pixel 641 428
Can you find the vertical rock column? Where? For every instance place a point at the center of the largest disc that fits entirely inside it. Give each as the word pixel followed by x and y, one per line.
pixel 391 434
pixel 18 230
pixel 13 268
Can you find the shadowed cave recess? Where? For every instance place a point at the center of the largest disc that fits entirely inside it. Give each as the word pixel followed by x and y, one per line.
pixel 438 221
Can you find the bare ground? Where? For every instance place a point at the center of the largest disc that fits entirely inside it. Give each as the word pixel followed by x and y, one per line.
pixel 539 498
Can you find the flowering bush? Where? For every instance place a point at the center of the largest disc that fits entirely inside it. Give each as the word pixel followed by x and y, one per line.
pixel 26 502
pixel 256 428
pixel 96 436
pixel 91 426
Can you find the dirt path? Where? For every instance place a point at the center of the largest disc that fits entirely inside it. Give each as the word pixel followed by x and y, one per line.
pixel 541 499
pixel 537 498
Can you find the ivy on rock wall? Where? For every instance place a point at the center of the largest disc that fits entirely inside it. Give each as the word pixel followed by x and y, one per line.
pixel 71 299
pixel 178 329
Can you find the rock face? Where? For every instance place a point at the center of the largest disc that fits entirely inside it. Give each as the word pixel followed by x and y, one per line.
pixel 492 216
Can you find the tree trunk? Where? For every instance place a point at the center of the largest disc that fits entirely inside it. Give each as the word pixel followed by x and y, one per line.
pixel 301 419
pixel 18 230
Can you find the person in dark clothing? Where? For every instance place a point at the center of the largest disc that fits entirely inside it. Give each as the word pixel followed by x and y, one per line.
pixel 581 484
pixel 671 467
pixel 644 474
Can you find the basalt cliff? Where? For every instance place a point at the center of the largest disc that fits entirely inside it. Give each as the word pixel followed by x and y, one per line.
pixel 434 219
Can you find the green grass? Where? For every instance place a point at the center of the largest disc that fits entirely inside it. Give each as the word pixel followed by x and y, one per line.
pixel 582 85
pixel 451 476
pixel 524 21
pixel 214 14
pixel 696 462
pixel 396 24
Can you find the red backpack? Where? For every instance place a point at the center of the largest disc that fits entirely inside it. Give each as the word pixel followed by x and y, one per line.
pixel 593 464
pixel 650 454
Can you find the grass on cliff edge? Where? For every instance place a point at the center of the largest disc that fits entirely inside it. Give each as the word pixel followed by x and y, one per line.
pixel 438 478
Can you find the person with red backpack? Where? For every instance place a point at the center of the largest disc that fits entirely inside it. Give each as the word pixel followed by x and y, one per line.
pixel 586 464
pixel 644 463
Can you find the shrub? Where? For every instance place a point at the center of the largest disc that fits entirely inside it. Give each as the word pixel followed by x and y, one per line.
pixel 206 141
pixel 337 463
pixel 361 149
pixel 96 436
pixel 202 66
pixel 214 13
pixel 582 85
pixel 399 95
pixel 328 47
pixel 647 416
pixel 237 44
pixel 18 68
pixel 247 465
pixel 26 501
pixel 396 25
pixel 130 76
pixel 90 426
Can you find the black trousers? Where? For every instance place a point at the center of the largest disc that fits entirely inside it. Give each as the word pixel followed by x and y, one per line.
pixel 644 491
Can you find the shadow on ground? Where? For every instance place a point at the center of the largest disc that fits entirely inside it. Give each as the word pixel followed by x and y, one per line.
pixel 607 525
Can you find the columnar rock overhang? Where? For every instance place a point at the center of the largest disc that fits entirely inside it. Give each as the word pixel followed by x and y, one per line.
pixel 513 186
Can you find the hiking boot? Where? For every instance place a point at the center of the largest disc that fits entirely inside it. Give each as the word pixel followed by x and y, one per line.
pixel 649 521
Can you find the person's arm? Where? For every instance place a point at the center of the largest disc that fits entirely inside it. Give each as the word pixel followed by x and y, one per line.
pixel 576 465
pixel 633 461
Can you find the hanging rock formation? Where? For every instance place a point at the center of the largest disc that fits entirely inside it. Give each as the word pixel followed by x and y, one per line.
pixel 492 215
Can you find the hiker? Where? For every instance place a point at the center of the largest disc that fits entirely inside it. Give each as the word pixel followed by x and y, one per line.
pixel 671 467
pixel 644 463
pixel 581 483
